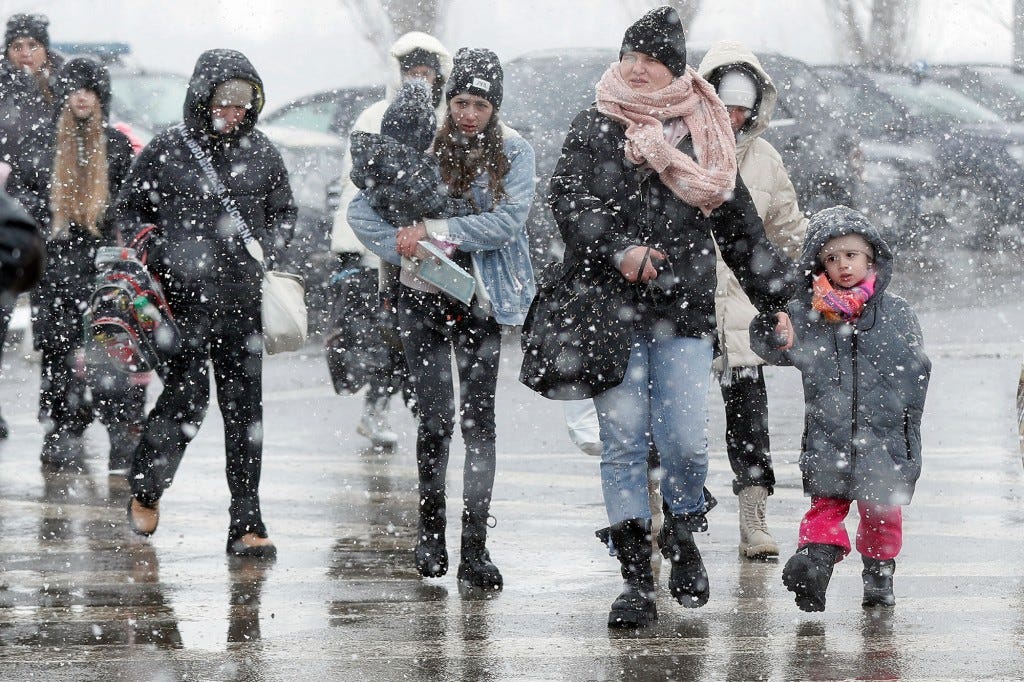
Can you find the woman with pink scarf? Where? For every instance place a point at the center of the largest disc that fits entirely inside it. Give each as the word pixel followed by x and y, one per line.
pixel 645 187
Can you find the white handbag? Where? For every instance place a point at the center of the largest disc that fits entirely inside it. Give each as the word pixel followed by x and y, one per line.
pixel 284 307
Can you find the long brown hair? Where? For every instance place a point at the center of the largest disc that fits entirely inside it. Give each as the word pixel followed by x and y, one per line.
pixel 461 163
pixel 80 187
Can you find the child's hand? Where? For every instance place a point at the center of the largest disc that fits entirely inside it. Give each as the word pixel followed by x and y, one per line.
pixel 785 334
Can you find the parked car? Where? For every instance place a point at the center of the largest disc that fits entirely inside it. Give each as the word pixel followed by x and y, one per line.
pixel 331 111
pixel 999 88
pixel 898 179
pixel 313 160
pixel 544 90
pixel 979 156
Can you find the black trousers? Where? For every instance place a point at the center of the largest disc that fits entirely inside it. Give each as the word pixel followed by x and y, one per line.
pixel 226 336
pixel 431 325
pixel 746 430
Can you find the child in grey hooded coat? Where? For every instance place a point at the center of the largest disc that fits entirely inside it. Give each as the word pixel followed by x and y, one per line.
pixel 865 375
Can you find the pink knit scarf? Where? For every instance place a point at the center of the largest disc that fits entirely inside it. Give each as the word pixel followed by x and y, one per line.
pixel 706 183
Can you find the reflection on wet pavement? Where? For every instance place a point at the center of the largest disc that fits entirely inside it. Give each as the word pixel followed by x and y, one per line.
pixel 81 598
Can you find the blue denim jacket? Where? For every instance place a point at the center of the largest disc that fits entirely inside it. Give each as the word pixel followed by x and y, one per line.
pixel 495 239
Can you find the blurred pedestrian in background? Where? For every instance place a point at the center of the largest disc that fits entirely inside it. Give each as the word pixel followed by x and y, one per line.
pixel 749 95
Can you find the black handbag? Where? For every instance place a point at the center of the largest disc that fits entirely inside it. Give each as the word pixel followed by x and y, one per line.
pixel 577 335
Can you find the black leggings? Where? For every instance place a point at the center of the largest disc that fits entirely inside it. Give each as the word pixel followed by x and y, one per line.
pixel 431 324
pixel 746 430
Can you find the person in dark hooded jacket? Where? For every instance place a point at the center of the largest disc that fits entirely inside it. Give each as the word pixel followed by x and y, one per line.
pixel 213 284
pixel 86 165
pixel 865 375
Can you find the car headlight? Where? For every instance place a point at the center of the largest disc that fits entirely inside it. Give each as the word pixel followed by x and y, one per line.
pixel 1016 153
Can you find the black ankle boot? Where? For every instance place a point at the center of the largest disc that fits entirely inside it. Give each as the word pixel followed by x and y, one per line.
pixel 688 581
pixel 635 607
pixel 431 553
pixel 475 565
pixel 807 574
pixel 877 576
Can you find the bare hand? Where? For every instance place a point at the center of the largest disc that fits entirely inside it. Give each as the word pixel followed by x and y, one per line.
pixel 408 237
pixel 630 266
pixel 784 330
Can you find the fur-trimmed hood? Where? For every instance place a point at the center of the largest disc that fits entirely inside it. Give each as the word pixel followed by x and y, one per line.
pixel 730 53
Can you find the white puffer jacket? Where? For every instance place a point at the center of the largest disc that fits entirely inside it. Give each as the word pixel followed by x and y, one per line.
pixel 765 176
pixel 343 240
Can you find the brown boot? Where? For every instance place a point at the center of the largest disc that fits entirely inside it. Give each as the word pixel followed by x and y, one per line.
pixel 253 546
pixel 143 519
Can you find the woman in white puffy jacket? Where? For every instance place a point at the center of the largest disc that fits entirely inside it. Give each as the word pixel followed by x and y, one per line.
pixel 750 97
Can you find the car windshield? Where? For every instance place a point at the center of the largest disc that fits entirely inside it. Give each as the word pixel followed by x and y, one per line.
pixel 152 100
pixel 934 100
pixel 530 93
pixel 1008 81
pixel 871 113
pixel 316 116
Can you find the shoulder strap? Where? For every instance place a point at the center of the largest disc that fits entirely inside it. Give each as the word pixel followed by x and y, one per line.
pixel 202 157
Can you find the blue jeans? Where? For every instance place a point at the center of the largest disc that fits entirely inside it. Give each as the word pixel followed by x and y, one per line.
pixel 662 399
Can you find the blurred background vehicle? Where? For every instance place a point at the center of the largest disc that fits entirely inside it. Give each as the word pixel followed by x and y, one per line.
pixel 822 159
pixel 979 156
pixel 312 134
pixel 331 111
pixel 999 88
pixel 898 187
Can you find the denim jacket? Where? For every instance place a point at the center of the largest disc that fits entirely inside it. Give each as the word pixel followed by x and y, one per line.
pixel 495 239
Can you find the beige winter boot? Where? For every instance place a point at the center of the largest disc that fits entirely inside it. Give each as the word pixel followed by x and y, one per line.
pixel 755 540
pixel 374 423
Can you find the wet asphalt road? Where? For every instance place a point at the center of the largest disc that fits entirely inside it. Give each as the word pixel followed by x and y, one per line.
pixel 81 598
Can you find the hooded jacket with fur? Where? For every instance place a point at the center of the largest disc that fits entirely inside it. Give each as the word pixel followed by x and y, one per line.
pixel 864 382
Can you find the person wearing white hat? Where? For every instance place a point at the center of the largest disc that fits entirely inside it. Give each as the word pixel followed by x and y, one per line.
pixel 749 96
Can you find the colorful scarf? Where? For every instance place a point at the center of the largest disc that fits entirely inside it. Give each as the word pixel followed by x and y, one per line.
pixel 841 305
pixel 706 183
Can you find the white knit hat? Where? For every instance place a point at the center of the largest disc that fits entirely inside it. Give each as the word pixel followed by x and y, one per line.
pixel 737 89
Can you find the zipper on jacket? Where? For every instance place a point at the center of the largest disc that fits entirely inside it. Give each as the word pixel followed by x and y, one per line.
pixel 853 354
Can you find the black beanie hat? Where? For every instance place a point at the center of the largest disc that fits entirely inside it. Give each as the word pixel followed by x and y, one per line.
pixel 82 73
pixel 35 26
pixel 477 71
pixel 409 118
pixel 659 34
pixel 420 57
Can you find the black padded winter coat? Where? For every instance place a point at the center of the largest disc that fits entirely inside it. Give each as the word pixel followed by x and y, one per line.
pixel 604 204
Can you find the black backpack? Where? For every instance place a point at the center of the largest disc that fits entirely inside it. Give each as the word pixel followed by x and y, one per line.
pixel 128 315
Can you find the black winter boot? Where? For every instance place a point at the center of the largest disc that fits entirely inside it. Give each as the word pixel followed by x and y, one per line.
pixel 807 574
pixel 688 581
pixel 635 607
pixel 877 576
pixel 475 565
pixel 431 553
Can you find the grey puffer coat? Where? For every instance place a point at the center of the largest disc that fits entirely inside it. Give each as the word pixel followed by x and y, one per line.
pixel 864 383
